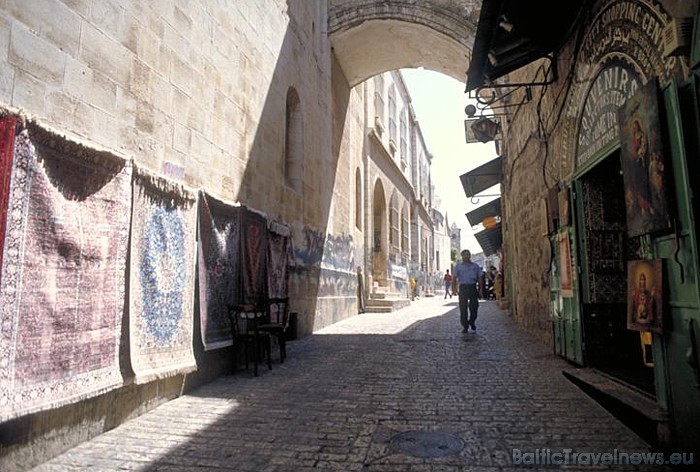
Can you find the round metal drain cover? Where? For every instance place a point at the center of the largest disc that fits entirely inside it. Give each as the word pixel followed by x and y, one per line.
pixel 426 444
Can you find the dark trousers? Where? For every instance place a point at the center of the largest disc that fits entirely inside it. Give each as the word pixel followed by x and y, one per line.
pixel 468 305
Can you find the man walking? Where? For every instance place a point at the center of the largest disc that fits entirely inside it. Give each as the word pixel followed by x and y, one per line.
pixel 467 274
pixel 447 279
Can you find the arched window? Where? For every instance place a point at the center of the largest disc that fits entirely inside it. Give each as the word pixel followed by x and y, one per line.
pixel 379 98
pixel 392 113
pixel 403 146
pixel 293 142
pixel 379 217
pixel 358 199
pixel 394 220
pixel 404 229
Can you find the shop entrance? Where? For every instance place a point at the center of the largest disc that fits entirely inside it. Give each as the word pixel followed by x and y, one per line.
pixel 605 249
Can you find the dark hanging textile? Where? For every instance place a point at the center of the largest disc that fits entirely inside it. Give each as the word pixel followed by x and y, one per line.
pixel 279 251
pixel 254 252
pixel 219 268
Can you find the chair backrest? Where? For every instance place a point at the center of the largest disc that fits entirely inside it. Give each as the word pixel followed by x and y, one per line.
pixel 278 311
pixel 239 325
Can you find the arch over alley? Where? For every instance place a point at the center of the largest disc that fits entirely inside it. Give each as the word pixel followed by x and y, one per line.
pixel 371 37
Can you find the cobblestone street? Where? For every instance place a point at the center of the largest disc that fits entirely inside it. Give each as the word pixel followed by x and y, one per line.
pixel 403 391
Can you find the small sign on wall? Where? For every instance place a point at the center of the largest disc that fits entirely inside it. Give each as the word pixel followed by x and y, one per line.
pixel 565 270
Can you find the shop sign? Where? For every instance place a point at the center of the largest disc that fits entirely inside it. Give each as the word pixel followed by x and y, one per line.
pixel 620 51
pixel 398 272
pixel 614 85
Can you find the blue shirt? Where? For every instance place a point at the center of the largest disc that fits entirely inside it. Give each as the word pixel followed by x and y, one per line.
pixel 467 274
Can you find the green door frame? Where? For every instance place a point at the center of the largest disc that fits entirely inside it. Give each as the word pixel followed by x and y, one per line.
pixel 678 378
pixel 567 322
pixel 565 310
pixel 677 351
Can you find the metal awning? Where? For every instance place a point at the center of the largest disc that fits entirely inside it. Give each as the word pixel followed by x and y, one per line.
pixel 512 33
pixel 492 208
pixel 490 240
pixel 479 179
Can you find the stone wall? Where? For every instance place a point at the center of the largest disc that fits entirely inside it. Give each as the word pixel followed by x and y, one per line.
pixel 545 145
pixel 194 91
pixel 533 163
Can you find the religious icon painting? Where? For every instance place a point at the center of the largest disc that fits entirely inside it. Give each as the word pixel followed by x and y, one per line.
pixel 643 162
pixel 645 295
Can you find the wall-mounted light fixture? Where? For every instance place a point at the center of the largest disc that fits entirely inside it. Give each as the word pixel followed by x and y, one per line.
pixel 493 60
pixel 485 129
pixel 505 24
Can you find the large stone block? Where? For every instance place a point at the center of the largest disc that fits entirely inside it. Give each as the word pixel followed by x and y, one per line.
pixel 7 78
pixel 36 56
pixel 29 93
pixel 51 20
pixel 105 55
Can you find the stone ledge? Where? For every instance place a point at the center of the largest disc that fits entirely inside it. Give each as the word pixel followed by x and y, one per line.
pixel 638 411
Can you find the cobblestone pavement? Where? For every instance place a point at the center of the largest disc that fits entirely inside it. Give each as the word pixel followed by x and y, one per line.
pixel 404 391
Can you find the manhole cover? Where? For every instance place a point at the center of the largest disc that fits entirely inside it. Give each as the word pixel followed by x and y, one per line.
pixel 426 444
pixel 489 356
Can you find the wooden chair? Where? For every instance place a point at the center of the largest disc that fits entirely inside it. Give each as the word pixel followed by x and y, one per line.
pixel 245 330
pixel 277 323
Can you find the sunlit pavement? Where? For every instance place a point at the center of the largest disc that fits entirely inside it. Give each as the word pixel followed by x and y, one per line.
pixel 403 391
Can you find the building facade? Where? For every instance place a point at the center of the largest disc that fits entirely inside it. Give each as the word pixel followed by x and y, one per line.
pixel 443 249
pixel 398 229
pixel 600 222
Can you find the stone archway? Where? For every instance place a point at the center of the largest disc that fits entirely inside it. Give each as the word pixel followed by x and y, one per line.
pixel 370 37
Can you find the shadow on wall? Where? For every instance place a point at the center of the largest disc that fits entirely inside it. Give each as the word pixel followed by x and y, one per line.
pixel 292 164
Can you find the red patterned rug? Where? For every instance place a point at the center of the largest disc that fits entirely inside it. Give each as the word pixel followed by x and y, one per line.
pixel 254 250
pixel 7 144
pixel 62 293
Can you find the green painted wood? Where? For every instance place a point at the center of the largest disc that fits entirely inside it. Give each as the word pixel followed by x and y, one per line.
pixel 681 353
pixel 566 314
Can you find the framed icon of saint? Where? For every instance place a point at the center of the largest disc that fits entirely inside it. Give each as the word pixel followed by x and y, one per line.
pixel 645 295
pixel 643 162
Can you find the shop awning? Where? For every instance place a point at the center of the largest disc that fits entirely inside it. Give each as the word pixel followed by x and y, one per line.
pixel 490 240
pixel 490 209
pixel 513 33
pixel 479 179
